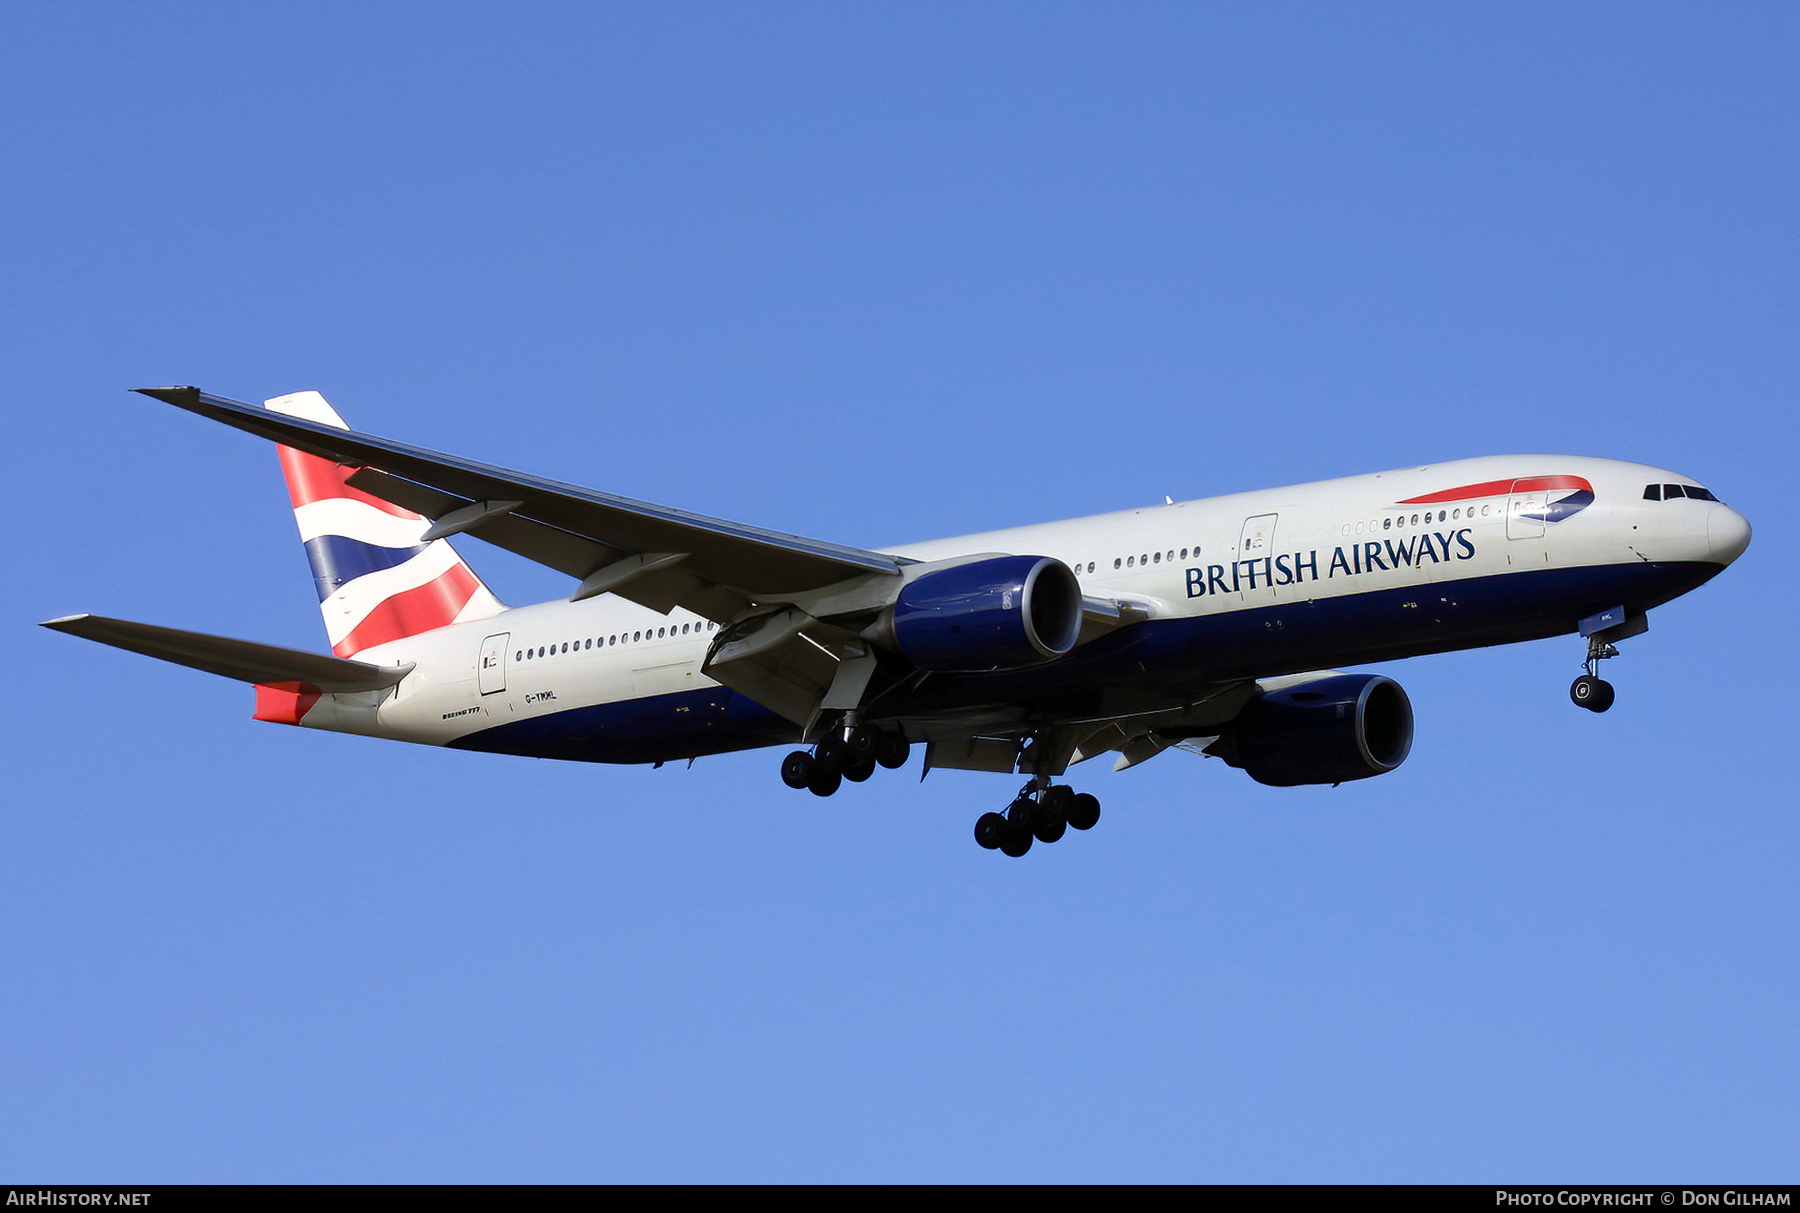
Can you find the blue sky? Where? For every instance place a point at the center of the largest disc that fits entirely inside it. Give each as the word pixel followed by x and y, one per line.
pixel 879 273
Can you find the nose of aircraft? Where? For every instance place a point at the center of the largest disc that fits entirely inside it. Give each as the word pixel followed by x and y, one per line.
pixel 1727 533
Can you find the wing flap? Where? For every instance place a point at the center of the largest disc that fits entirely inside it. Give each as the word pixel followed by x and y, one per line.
pixel 243 660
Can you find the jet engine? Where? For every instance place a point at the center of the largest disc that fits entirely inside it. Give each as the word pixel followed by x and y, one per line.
pixel 998 613
pixel 1328 730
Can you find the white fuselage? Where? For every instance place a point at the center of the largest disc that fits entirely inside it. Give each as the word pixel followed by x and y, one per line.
pixel 1311 546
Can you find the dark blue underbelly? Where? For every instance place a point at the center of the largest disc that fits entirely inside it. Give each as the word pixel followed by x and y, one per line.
pixel 1138 668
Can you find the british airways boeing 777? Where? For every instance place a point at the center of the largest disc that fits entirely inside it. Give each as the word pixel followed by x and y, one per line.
pixel 1212 625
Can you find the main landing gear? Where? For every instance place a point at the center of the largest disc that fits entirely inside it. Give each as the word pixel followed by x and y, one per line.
pixel 851 754
pixel 1591 691
pixel 1040 812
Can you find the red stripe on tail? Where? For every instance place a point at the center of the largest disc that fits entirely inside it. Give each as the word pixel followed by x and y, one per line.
pixel 310 479
pixel 422 609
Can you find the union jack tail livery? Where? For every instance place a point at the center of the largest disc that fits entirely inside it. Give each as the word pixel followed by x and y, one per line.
pixel 378 580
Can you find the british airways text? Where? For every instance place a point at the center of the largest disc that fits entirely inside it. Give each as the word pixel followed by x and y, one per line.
pixel 1292 568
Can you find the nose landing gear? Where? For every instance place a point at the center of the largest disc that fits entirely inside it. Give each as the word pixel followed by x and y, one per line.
pixel 1591 691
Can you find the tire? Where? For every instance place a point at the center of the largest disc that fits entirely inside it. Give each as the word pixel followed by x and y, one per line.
pixel 1594 694
pixel 1019 814
pixel 1057 801
pixel 832 754
pixel 1084 812
pixel 893 751
pixel 856 772
pixel 862 745
pixel 1015 842
pixel 1047 829
pixel 990 829
pixel 797 769
pixel 824 781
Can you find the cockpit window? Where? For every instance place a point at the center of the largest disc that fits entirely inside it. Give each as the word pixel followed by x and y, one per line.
pixel 1670 492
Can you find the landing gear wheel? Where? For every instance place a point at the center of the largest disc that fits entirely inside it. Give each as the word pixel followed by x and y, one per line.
pixel 824 781
pixel 1015 842
pixel 862 745
pixel 832 754
pixel 893 751
pixel 1084 811
pixel 1050 819
pixel 856 772
pixel 1594 694
pixel 990 831
pixel 797 769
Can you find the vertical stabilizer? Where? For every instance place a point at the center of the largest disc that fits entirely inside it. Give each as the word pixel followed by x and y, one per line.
pixel 378 580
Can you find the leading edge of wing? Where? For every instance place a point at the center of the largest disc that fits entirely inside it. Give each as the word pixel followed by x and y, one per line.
pixel 604 517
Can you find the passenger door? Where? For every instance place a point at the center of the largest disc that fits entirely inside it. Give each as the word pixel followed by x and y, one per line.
pixel 1256 558
pixel 491 673
pixel 1525 509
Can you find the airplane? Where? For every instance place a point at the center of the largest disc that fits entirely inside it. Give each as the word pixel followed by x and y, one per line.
pixel 1214 626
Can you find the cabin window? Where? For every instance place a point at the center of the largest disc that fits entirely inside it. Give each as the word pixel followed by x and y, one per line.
pixel 1159 558
pixel 637 636
pixel 1387 524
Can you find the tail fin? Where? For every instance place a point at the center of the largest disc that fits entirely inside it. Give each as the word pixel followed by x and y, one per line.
pixel 377 578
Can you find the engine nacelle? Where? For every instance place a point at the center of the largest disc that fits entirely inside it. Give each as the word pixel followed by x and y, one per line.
pixel 1329 730
pixel 1000 613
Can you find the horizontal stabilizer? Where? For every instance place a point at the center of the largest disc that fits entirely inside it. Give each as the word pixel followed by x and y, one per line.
pixel 243 660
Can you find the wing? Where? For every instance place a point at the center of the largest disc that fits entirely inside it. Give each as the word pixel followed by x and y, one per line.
pixel 652 554
pixel 1004 742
